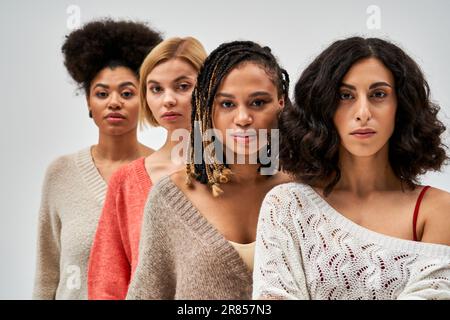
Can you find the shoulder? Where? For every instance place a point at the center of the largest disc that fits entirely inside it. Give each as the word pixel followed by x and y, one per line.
pixel 162 193
pixel 439 199
pixel 436 210
pixel 288 195
pixel 59 175
pixel 62 166
pixel 287 189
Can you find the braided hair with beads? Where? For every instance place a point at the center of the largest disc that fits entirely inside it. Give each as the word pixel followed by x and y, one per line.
pixel 217 66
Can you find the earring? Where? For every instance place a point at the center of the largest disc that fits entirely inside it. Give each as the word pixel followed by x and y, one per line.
pixel 90 113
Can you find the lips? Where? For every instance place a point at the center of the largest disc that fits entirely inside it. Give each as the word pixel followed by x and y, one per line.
pixel 171 115
pixel 363 132
pixel 244 137
pixel 115 118
pixel 115 115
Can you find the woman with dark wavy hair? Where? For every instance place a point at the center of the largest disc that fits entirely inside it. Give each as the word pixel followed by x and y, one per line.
pixel 359 226
pixel 103 58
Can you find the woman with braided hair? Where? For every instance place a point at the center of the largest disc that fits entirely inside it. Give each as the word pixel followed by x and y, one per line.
pixel 103 57
pixel 199 224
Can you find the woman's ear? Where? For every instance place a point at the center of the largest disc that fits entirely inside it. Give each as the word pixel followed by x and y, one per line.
pixel 281 103
pixel 89 106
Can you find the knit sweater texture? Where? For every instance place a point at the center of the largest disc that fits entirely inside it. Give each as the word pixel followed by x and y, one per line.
pixel 307 250
pixel 182 255
pixel 114 254
pixel 72 199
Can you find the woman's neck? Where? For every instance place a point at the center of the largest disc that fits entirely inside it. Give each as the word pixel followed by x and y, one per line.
pixel 246 173
pixel 174 146
pixel 364 175
pixel 121 148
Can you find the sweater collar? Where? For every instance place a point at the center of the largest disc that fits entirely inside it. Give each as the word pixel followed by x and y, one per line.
pixel 91 175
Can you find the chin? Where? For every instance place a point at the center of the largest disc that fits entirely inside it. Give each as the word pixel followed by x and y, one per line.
pixel 363 152
pixel 117 131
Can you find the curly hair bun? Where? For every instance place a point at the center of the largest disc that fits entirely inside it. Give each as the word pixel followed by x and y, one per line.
pixel 106 42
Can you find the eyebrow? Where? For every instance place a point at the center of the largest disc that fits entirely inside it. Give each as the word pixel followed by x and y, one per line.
pixel 372 86
pixel 176 80
pixel 223 94
pixel 123 84
pixel 254 94
pixel 380 84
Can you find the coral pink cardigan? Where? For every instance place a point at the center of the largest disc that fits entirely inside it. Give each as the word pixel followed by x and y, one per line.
pixel 114 253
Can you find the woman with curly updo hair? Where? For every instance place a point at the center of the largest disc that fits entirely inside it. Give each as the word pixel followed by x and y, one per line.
pixel 103 58
pixel 359 225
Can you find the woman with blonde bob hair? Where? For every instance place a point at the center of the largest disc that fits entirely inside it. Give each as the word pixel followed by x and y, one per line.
pixel 167 77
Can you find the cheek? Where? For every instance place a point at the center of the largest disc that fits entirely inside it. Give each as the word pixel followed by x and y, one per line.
pixel 387 120
pixel 152 103
pixel 95 103
pixel 185 100
pixel 339 120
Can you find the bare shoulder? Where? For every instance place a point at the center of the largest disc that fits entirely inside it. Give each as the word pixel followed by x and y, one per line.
pixel 436 210
pixel 179 177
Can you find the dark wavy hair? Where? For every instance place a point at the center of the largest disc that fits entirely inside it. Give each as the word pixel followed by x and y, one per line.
pixel 106 43
pixel 309 146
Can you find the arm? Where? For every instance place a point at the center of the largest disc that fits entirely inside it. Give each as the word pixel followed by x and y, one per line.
pixel 436 211
pixel 109 266
pixel 431 279
pixel 48 243
pixel 278 271
pixel 154 277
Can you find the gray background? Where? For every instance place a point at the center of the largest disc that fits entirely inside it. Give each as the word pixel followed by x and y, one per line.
pixel 42 117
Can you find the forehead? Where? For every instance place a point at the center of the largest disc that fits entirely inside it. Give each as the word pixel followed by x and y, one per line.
pixel 367 71
pixel 115 75
pixel 170 70
pixel 246 76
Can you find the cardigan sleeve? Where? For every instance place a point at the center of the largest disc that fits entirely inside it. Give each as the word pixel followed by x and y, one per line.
pixel 154 277
pixel 109 266
pixel 278 271
pixel 429 280
pixel 47 275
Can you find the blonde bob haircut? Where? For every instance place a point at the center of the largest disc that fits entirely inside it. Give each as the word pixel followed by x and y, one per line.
pixel 189 49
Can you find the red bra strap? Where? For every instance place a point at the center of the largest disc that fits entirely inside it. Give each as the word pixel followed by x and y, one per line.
pixel 416 210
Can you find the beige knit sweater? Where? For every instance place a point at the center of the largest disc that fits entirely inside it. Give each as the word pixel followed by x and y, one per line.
pixel 72 199
pixel 182 255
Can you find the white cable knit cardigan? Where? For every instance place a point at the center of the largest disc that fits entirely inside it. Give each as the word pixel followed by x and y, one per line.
pixel 307 250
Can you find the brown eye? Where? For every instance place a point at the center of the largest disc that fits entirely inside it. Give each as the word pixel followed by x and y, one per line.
pixel 379 94
pixel 184 86
pixel 155 89
pixel 226 104
pixel 127 94
pixel 345 96
pixel 258 103
pixel 101 94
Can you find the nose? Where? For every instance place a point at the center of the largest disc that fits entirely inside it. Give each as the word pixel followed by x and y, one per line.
pixel 169 99
pixel 363 113
pixel 243 118
pixel 114 102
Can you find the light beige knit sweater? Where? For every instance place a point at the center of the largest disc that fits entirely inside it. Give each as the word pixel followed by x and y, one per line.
pixel 182 255
pixel 72 199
